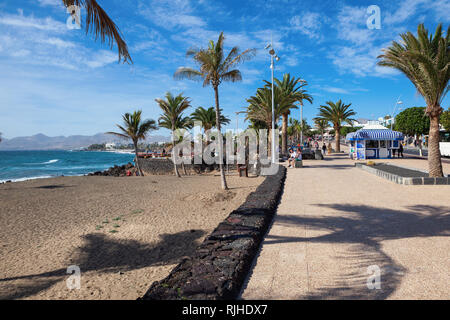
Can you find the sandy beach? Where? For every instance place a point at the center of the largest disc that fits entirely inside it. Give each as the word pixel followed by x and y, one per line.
pixel 123 233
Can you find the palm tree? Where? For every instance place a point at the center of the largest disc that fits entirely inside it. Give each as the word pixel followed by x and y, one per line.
pixel 321 125
pixel 305 127
pixel 101 26
pixel 172 117
pixel 208 117
pixel 290 86
pixel 135 129
pixel 257 125
pixel 336 113
pixel 294 129
pixel 425 60
pixel 214 69
pixel 260 107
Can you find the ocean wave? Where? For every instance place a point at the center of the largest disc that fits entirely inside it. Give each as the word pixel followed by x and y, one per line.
pixel 26 179
pixel 40 163
pixel 51 161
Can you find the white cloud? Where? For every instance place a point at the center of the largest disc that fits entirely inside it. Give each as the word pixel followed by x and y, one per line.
pixel 336 90
pixel 170 14
pixel 351 25
pixel 30 22
pixel 441 9
pixel 50 2
pixel 100 59
pixel 406 10
pixel 309 23
pixel 20 53
pixel 359 55
pixel 59 43
pixel 31 40
pixel 291 61
pixel 339 90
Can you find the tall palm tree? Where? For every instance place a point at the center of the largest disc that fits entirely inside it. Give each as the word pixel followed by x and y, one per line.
pixel 291 87
pixel 208 117
pixel 214 69
pixel 260 107
pixel 336 113
pixel 172 117
pixel 136 129
pixel 101 26
pixel 425 60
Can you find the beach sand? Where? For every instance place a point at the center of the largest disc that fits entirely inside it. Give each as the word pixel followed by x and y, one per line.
pixel 48 225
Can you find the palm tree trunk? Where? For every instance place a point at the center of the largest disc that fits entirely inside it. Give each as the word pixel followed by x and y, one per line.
pixel 173 152
pixel 284 135
pixel 222 172
pixel 338 139
pixel 434 154
pixel 138 167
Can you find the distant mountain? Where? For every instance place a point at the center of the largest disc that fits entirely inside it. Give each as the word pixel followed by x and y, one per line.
pixel 43 142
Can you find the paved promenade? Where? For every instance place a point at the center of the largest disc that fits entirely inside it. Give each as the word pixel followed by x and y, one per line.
pixel 334 221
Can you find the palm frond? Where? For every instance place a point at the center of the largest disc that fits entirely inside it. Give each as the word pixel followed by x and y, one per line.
pixel 187 73
pixel 101 26
pixel 133 128
pixel 425 61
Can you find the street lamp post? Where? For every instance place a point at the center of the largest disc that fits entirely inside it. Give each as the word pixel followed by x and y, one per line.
pixel 395 109
pixel 273 56
pixel 301 117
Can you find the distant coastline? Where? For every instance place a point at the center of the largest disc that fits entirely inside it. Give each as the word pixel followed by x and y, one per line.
pixel 76 142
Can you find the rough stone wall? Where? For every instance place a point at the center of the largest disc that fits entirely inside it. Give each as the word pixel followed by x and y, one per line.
pixel 165 167
pixel 219 266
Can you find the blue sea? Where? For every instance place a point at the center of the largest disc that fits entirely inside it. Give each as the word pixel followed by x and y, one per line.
pixel 26 165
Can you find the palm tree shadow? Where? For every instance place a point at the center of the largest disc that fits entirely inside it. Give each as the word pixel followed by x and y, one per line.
pixel 52 187
pixel 104 254
pixel 363 233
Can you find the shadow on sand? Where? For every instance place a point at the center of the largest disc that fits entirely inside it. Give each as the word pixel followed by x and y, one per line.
pixel 363 232
pixel 53 187
pixel 104 254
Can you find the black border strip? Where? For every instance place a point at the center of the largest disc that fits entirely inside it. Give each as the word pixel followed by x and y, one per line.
pixel 218 268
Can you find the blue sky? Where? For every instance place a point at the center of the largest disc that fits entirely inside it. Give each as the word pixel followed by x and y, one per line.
pixel 58 81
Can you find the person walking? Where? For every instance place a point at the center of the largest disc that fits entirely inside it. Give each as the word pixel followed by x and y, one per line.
pixel 400 150
pixel 324 149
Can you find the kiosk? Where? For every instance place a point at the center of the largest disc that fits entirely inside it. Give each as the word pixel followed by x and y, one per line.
pixel 373 143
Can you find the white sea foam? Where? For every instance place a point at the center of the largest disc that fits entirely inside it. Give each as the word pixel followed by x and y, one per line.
pixel 26 179
pixel 51 161
pixel 40 177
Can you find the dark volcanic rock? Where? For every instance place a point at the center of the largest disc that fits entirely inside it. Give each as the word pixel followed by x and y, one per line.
pixel 219 266
pixel 116 171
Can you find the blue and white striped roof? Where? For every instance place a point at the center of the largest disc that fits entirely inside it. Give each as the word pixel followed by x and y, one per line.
pixel 366 134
